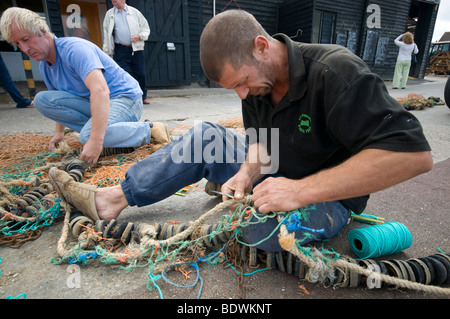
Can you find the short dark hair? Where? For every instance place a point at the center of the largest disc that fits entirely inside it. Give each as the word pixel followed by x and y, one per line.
pixel 228 38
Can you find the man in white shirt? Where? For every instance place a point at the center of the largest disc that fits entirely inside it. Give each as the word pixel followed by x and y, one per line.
pixel 125 31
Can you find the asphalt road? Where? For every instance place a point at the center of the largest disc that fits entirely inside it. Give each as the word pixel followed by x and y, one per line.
pixel 421 204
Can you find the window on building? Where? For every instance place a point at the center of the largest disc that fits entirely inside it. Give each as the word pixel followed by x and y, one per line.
pixel 324 25
pixel 445 47
pixel 439 47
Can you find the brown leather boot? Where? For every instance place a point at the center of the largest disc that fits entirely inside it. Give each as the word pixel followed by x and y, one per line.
pixel 159 133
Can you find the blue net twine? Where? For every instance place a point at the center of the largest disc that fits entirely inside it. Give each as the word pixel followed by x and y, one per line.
pixel 379 240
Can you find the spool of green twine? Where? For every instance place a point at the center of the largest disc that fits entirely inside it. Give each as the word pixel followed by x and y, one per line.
pixel 379 240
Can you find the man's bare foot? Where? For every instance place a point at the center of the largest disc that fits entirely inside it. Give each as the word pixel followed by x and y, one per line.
pixel 110 201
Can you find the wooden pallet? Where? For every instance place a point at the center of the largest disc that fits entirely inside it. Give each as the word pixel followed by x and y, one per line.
pixel 440 63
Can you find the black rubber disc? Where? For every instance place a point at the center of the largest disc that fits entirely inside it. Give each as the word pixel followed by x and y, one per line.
pixel 271 261
pixel 431 268
pixel 75 213
pixel 402 269
pixel 119 231
pixel 244 253
pixel 280 261
pixel 289 262
pixel 419 273
pixel 126 235
pixel 253 262
pixel 411 276
pixel 440 272
pixel 107 233
pixel 100 226
pixel 445 262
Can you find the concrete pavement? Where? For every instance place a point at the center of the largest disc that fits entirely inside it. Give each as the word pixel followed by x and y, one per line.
pixel 421 204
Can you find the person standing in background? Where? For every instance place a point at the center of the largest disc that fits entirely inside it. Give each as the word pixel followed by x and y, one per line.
pixel 406 45
pixel 125 31
pixel 10 87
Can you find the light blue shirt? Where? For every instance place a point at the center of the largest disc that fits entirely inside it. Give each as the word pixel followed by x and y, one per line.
pixel 122 33
pixel 75 59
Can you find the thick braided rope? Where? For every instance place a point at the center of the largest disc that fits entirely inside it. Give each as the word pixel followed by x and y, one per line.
pixel 193 226
pixel 287 242
pixel 61 247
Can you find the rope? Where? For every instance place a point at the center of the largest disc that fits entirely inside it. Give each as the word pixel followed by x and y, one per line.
pixel 60 248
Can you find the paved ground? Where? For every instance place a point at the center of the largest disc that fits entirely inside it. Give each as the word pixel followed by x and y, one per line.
pixel 421 204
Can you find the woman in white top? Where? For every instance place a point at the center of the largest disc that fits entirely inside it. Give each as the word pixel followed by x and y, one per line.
pixel 406 45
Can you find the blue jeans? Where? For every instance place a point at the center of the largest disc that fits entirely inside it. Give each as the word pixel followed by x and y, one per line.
pixel 8 84
pixel 74 112
pixel 191 157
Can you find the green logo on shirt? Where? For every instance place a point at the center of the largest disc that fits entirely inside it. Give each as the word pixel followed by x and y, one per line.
pixel 305 124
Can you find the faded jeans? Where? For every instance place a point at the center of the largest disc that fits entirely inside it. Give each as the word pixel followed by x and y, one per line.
pixel 190 158
pixel 74 112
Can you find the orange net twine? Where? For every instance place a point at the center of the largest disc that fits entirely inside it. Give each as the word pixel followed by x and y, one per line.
pixel 27 152
pixel 24 164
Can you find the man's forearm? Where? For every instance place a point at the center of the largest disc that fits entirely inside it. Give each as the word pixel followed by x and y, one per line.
pixel 59 129
pixel 100 113
pixel 367 172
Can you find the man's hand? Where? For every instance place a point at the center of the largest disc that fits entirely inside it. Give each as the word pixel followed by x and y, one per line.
pixel 55 140
pixel 135 38
pixel 57 137
pixel 91 152
pixel 240 184
pixel 276 194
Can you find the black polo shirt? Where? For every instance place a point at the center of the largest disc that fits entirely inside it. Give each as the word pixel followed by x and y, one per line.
pixel 335 107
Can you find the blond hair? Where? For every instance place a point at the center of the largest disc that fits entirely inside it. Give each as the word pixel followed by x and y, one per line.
pixel 24 20
pixel 408 38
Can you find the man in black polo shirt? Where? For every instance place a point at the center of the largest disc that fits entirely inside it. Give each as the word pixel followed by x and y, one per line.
pixel 333 133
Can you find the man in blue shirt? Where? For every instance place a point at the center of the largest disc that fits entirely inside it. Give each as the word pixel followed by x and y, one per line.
pixel 88 92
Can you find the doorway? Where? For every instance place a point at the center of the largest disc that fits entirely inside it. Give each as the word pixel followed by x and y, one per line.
pixel 419 23
pixel 81 19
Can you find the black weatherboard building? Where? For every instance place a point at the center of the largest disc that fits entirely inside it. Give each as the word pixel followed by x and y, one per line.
pixel 366 27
